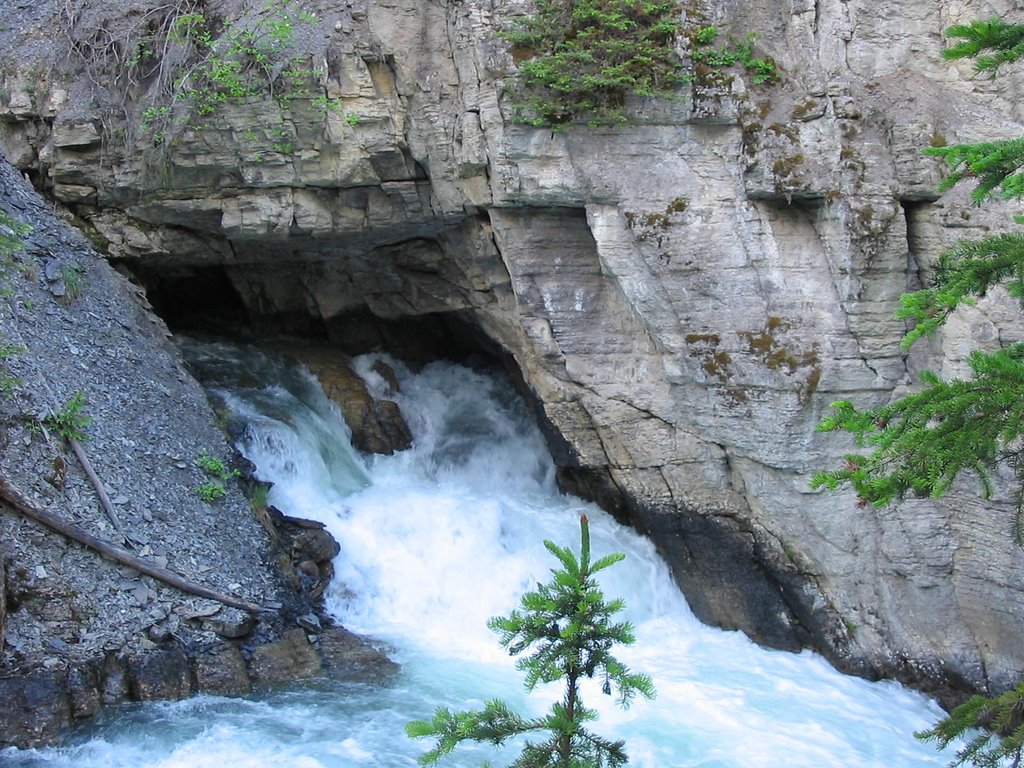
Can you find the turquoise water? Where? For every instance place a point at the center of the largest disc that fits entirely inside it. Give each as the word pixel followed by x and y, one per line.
pixel 437 539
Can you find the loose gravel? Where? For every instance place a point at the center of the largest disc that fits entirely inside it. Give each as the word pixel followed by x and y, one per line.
pixel 83 328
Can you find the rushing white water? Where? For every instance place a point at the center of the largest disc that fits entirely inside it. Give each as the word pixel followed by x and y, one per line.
pixel 437 539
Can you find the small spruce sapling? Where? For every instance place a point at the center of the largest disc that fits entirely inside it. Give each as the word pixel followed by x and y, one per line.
pixel 567 624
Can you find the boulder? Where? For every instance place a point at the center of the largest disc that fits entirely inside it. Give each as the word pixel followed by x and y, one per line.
pixel 350 657
pixel 377 425
pixel 114 687
pixel 315 544
pixel 35 708
pixel 84 691
pixel 162 674
pixel 221 670
pixel 291 658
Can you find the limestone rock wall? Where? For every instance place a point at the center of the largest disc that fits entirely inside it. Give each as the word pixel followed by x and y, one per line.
pixel 684 295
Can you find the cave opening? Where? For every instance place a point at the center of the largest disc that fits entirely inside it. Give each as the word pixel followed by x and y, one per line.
pixel 203 300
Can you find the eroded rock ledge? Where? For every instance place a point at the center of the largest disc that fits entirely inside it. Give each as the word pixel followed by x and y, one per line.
pixel 40 705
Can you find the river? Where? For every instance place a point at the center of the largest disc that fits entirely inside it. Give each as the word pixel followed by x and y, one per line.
pixel 437 539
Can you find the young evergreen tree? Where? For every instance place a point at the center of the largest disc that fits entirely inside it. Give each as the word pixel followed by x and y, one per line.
pixel 921 442
pixel 568 626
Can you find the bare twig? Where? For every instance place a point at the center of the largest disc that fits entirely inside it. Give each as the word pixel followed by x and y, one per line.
pixel 97 485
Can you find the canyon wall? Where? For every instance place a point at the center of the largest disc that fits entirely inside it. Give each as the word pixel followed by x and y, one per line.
pixel 683 295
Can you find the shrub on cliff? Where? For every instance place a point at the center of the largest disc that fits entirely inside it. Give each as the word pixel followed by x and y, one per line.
pixel 922 441
pixel 579 61
pixel 568 625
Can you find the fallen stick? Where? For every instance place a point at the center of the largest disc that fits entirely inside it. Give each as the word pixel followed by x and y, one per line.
pixel 76 446
pixel 22 504
pixel 97 485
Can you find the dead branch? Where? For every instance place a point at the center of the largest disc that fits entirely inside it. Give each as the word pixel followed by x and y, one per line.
pixel 21 503
pixel 97 485
pixel 94 479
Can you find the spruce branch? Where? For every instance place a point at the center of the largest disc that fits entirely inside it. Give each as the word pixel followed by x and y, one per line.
pixel 990 42
pixel 1001 738
pixel 921 442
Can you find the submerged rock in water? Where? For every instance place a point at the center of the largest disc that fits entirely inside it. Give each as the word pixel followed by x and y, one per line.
pixel 377 425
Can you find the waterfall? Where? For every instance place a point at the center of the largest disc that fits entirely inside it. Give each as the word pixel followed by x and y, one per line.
pixel 437 539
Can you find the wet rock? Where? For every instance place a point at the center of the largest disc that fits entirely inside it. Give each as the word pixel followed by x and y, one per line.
pixel 298 522
pixel 326 571
pixel 291 658
pixel 35 708
pixel 351 657
pixel 84 691
pixel 387 373
pixel 221 670
pixel 377 425
pixel 317 545
pixel 113 680
pixel 307 562
pixel 162 674
pixel 391 423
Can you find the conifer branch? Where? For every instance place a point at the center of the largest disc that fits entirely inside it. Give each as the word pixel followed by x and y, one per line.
pixel 921 442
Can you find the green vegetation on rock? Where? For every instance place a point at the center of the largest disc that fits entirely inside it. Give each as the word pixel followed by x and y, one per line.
pixel 216 487
pixel 183 63
pixel 11 233
pixel 70 421
pixel 716 57
pixel 567 624
pixel 579 61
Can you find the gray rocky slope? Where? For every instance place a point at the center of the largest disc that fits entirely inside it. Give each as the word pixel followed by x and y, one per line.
pixel 77 630
pixel 682 297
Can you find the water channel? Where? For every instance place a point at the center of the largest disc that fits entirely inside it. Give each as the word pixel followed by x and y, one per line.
pixel 437 539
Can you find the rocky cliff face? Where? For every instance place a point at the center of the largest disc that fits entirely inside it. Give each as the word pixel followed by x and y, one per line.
pixel 682 296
